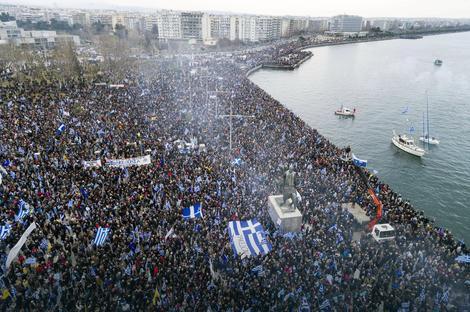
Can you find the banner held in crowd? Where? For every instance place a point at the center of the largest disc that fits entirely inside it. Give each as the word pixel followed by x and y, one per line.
pixel 91 163
pixel 16 249
pixel 128 162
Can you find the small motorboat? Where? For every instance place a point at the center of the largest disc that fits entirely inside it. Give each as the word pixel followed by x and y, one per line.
pixel 407 144
pixel 438 62
pixel 346 112
pixel 429 140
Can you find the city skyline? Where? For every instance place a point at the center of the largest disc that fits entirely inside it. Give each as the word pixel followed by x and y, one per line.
pixel 366 8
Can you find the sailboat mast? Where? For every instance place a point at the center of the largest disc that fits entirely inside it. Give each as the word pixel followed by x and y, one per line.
pixel 427 109
pixel 424 134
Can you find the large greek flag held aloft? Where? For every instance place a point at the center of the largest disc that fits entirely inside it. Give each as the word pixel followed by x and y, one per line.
pixel 359 162
pixel 101 236
pixel 194 211
pixel 248 238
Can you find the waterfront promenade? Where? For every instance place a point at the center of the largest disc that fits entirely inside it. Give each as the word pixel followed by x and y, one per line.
pixel 153 258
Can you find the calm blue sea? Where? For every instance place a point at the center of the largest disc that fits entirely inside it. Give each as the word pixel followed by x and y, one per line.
pixel 381 79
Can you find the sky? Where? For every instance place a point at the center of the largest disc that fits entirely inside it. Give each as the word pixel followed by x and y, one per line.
pixel 366 8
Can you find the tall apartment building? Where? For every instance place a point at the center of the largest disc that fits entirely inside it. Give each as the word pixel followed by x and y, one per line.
pixel 346 24
pixel 247 28
pixel 216 26
pixel 191 25
pixel 317 25
pixel 82 18
pixel 150 22
pixel 293 26
pixel 169 25
pixel 109 20
pixel 268 28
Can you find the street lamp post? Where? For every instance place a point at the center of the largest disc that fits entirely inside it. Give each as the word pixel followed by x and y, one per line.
pixel 230 123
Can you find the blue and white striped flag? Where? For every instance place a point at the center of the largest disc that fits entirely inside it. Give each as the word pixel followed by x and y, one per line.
pixel 193 212
pixel 463 259
pixel 304 306
pixel 359 162
pixel 237 162
pixel 445 296
pixel 101 236
pixel 258 270
pixel 23 210
pixel 437 299
pixel 325 305
pixel 44 244
pixel 422 295
pixel 60 129
pixel 5 231
pixel 248 238
pixel 321 289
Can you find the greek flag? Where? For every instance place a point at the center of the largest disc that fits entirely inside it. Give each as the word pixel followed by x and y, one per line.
pixel 60 129
pixel 24 210
pixel 463 259
pixel 359 162
pixel 258 270
pixel 5 231
pixel 445 296
pixel 248 238
pixel 192 212
pixel 304 306
pixel 422 295
pixel 101 236
pixel 44 244
pixel 325 305
pixel 405 110
pixel 237 162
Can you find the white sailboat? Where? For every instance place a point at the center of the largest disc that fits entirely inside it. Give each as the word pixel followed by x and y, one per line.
pixel 407 144
pixel 426 138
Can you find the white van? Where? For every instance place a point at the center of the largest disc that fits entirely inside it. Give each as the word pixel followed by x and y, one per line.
pixel 381 232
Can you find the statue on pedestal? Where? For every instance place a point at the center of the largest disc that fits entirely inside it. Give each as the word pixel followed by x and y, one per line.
pixel 289 193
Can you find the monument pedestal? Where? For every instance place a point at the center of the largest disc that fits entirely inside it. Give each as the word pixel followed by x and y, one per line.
pixel 287 220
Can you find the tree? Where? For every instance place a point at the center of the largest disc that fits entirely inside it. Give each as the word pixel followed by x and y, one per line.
pixel 155 31
pixel 5 17
pixel 98 27
pixel 120 31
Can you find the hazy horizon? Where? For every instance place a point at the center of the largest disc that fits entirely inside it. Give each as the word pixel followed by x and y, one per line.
pixel 365 8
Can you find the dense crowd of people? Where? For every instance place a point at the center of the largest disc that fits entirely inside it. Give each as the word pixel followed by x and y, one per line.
pixel 153 258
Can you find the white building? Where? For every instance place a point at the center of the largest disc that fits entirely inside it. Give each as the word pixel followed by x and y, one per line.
pixel 191 25
pixel 293 26
pixel 41 39
pixel 108 20
pixel 267 28
pixel 346 24
pixel 151 22
pixel 247 28
pixel 216 27
pixel 169 25
pixel 255 28
pixel 82 18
